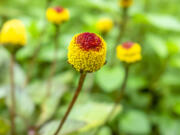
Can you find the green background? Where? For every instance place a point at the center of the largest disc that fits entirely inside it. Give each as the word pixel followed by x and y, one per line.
pixel 151 105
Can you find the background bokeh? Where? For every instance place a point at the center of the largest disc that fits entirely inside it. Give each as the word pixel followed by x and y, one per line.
pixel 151 105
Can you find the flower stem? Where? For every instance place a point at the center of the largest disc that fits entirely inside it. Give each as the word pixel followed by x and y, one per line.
pixel 119 98
pixel 36 50
pixel 13 99
pixel 121 94
pixel 122 27
pixel 78 90
pixel 54 63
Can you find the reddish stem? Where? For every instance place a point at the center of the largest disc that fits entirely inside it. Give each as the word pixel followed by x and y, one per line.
pixel 78 90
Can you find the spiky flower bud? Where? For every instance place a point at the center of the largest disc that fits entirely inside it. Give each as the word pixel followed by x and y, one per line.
pixel 87 52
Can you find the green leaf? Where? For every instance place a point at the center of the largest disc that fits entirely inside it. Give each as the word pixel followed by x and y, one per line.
pixel 105 131
pixel 158 45
pixel 135 82
pixel 171 78
pixel 134 122
pixel 168 125
pixel 176 108
pixel 50 105
pixel 69 127
pixel 38 89
pixel 164 22
pixel 92 113
pixel 24 105
pixel 4 127
pixel 110 78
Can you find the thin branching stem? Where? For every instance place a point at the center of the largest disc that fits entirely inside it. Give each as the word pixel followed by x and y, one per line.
pixel 13 98
pixel 78 90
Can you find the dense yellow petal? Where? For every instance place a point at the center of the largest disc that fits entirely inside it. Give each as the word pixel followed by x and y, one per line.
pixel 104 25
pixel 86 60
pixel 129 55
pixel 57 17
pixel 13 32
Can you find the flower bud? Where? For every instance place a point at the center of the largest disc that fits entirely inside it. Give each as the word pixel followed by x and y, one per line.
pixel 129 52
pixel 104 25
pixel 87 52
pixel 57 15
pixel 13 33
pixel 125 3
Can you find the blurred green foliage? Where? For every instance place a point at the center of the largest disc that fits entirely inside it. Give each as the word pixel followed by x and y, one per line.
pixel 151 105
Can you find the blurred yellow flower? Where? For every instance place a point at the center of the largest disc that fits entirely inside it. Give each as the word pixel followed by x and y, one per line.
pixel 104 25
pixel 87 52
pixel 125 3
pixel 13 32
pixel 129 52
pixel 57 15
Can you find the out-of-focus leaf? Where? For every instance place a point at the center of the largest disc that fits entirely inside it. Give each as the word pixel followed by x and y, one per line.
pixel 11 12
pixel 175 61
pixel 105 131
pixel 50 105
pixel 135 83
pixel 92 113
pixel 19 75
pixel 164 22
pixel 34 29
pixel 38 89
pixel 135 122
pixel 171 78
pixel 4 127
pixel 176 108
pixel 173 47
pixel 2 92
pixel 69 127
pixel 24 104
pixel 110 78
pixel 158 45
pixel 168 125
pixel 47 54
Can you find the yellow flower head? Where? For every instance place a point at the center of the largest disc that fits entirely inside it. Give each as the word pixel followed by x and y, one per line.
pixel 87 52
pixel 125 3
pixel 57 15
pixel 129 52
pixel 13 32
pixel 104 25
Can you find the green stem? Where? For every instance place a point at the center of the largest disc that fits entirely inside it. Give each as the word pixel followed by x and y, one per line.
pixel 13 99
pixel 54 63
pixel 78 90
pixel 36 51
pixel 122 27
pixel 121 94
pixel 119 98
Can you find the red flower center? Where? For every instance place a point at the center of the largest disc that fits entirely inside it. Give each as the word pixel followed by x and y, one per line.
pixel 89 41
pixel 127 45
pixel 58 9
